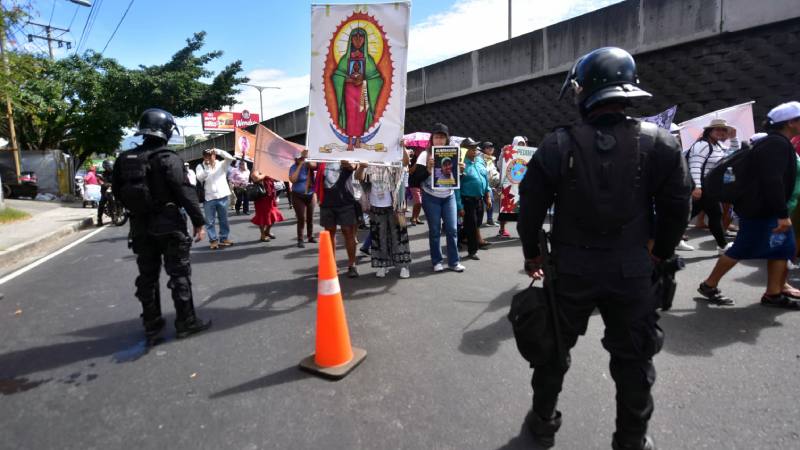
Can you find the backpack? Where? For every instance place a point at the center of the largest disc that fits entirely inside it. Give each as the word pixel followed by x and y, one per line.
pixel 732 180
pixel 134 172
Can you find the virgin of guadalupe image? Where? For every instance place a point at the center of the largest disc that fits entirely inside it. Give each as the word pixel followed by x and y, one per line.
pixel 357 84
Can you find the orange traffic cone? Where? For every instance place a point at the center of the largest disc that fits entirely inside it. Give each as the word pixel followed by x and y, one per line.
pixel 334 357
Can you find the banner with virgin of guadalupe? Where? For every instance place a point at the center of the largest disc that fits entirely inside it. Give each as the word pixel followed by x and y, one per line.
pixel 358 81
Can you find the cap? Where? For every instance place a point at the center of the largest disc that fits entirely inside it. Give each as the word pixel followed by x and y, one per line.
pixel 486 144
pixel 784 112
pixel 469 143
pixel 440 128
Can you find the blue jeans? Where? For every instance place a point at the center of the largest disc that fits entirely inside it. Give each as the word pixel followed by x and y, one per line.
pixel 438 210
pixel 214 208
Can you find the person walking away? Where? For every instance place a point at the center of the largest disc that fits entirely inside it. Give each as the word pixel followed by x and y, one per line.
pixel 703 156
pixel 337 207
pixel 151 182
pixel 471 196
pixel 267 213
pixel 765 229
pixel 214 175
pixel 606 176
pixel 389 243
pixel 240 176
pixel 301 174
pixel 439 206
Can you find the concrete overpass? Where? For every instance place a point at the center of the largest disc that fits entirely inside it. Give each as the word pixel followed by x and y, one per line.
pixel 699 54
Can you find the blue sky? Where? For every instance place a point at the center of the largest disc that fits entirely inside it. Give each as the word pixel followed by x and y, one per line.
pixel 272 37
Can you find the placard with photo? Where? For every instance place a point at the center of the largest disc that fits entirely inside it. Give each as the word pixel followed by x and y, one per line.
pixel 445 167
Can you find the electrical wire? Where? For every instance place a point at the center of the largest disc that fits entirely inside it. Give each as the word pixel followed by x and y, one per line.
pixel 36 44
pixel 90 21
pixel 70 22
pixel 52 11
pixel 118 25
pixel 85 24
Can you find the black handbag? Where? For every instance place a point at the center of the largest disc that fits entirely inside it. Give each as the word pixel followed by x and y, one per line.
pixel 531 321
pixel 255 191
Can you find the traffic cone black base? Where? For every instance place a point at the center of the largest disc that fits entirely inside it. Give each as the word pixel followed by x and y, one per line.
pixel 337 372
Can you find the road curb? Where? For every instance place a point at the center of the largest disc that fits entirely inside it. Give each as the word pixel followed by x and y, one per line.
pixel 21 251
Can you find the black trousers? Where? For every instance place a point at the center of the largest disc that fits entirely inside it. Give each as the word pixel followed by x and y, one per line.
pixel 714 213
pixel 473 217
pixel 242 203
pixel 174 251
pixel 619 284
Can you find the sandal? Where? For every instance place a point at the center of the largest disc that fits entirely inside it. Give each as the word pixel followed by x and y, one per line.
pixel 779 301
pixel 714 295
pixel 791 292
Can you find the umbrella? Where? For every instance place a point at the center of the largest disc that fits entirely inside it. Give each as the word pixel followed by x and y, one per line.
pixel 417 139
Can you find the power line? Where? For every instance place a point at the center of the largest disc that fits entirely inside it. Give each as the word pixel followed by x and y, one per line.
pixel 90 20
pixel 52 11
pixel 80 39
pixel 117 28
pixel 29 40
pixel 91 25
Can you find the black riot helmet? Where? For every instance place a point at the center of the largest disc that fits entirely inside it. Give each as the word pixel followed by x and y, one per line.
pixel 157 123
pixel 603 75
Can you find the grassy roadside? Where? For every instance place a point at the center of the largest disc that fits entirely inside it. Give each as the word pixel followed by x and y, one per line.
pixel 8 215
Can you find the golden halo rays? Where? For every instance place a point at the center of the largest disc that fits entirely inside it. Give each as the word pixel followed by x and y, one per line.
pixel 374 39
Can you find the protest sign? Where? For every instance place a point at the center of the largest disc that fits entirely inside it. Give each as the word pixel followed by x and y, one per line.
pixel 273 154
pixel 514 165
pixel 445 167
pixel 244 145
pixel 739 117
pixel 358 81
pixel 663 119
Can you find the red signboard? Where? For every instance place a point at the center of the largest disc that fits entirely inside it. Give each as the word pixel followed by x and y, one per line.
pixel 228 121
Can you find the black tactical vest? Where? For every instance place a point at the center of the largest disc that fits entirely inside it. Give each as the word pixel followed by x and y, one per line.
pixel 602 198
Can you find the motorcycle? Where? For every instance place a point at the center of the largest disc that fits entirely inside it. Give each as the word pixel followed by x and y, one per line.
pixel 115 210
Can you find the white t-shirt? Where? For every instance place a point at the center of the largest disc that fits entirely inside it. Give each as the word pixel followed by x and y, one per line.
pixel 422 160
pixel 380 193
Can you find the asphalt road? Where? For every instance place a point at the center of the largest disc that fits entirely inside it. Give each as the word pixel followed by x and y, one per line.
pixel 442 371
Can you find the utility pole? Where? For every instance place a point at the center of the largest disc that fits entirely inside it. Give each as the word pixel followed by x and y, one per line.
pixel 9 111
pixel 49 38
pixel 509 19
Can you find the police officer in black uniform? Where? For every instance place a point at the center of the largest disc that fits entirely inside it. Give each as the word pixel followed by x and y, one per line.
pixel 616 183
pixel 151 182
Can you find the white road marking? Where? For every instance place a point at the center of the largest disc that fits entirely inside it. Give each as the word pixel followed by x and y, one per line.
pixel 41 261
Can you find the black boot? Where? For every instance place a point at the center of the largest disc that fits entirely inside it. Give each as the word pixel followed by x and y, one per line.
pixel 186 321
pixel 151 317
pixel 152 328
pixel 544 431
pixel 645 444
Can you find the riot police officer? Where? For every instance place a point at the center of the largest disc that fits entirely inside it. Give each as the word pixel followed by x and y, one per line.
pixel 151 182
pixel 606 176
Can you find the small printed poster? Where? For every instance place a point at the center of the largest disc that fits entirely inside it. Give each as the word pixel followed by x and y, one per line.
pixel 445 167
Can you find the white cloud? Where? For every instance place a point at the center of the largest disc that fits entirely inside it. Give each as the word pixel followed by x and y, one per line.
pixel 473 24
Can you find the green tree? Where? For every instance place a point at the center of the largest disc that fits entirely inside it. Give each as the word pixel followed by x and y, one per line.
pixel 83 103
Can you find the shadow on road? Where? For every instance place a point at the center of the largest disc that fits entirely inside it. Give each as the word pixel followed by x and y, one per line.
pixel 523 441
pixel 699 331
pixel 485 341
pixel 287 375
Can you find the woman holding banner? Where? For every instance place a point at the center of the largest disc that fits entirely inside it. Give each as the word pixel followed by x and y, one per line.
pixel 301 174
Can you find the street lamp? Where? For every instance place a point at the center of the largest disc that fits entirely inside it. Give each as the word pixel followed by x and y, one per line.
pixel 260 98
pixel 81 2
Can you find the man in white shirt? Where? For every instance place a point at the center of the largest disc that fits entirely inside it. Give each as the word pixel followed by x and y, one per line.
pixel 217 192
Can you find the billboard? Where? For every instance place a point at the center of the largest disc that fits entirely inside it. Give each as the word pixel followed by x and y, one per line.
pixel 228 120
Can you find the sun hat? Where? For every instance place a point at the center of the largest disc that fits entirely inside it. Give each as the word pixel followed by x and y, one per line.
pixel 719 123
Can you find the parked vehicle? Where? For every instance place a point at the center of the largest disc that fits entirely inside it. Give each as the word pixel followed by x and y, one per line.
pixel 27 185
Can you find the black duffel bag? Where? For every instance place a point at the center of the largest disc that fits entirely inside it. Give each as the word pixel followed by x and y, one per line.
pixel 532 322
pixel 255 191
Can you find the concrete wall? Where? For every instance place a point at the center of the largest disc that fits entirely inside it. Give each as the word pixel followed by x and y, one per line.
pixel 700 29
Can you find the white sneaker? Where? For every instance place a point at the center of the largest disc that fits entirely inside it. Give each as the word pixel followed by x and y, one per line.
pixel 438 267
pixel 457 268
pixel 404 272
pixel 683 245
pixel 722 251
pixel 381 273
